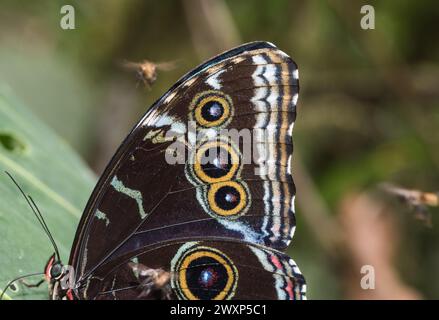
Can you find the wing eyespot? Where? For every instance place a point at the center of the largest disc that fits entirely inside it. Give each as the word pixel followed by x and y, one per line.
pixel 228 199
pixel 214 167
pixel 216 161
pixel 211 109
pixel 204 273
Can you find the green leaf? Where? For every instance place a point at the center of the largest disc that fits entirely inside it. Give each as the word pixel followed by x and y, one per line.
pixel 56 178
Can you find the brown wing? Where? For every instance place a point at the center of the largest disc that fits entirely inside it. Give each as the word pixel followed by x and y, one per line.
pixel 202 270
pixel 158 188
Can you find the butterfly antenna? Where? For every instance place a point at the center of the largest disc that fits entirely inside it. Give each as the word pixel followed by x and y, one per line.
pixel 16 279
pixel 46 228
pixel 37 214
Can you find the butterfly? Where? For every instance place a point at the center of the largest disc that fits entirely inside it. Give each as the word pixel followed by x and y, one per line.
pixel 183 211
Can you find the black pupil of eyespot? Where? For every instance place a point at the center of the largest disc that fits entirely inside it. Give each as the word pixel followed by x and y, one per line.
pixel 56 270
pixel 227 197
pixel 206 277
pixel 216 162
pixel 212 111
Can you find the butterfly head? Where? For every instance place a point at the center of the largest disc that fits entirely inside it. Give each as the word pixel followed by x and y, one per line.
pixel 56 275
pixel 54 269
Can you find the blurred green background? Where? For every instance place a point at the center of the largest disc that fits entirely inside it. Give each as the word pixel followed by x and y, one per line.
pixel 368 112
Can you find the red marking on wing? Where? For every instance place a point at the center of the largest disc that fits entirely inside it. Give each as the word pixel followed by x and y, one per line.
pixel 276 262
pixel 289 289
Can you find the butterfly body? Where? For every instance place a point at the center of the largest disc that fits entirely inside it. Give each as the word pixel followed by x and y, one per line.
pixel 185 211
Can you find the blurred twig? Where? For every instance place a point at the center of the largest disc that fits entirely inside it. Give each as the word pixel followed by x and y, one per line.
pixel 372 240
pixel 211 25
pixel 315 211
pixel 114 119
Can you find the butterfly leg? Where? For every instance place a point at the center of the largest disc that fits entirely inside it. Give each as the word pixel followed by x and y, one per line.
pixel 32 285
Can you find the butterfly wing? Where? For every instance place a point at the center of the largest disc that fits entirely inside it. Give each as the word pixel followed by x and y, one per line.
pixel 158 188
pixel 204 270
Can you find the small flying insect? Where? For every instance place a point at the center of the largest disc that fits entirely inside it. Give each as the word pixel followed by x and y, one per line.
pixel 146 71
pixel 417 200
